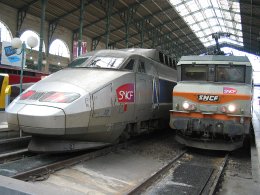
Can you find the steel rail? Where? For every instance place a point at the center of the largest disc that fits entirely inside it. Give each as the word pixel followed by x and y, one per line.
pixel 216 180
pixel 50 168
pixel 14 143
pixel 12 154
pixel 147 183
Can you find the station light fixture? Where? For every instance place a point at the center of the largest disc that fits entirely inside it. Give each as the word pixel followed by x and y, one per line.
pixel 16 43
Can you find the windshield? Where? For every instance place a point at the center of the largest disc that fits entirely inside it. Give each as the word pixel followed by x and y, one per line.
pixel 78 62
pixel 194 72
pixel 104 62
pixel 213 73
pixel 235 74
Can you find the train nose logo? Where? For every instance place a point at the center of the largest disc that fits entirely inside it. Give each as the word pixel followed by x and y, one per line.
pixel 125 93
pixel 229 90
pixel 208 98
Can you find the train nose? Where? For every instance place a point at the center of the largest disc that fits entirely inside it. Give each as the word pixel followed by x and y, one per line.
pixel 42 120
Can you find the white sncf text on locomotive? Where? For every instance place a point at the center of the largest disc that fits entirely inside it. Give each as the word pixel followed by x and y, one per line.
pixel 105 96
pixel 212 101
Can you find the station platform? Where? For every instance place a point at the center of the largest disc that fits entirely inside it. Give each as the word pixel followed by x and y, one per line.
pixel 255 150
pixel 2 118
pixel 6 133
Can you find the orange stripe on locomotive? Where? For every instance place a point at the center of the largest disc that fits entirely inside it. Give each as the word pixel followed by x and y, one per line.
pixel 223 98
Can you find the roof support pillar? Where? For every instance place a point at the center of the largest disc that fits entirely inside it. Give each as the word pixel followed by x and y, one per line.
pixel 111 46
pixel 109 5
pixel 127 22
pixel 74 45
pixel 94 44
pixel 20 18
pixel 82 3
pixel 51 30
pixel 142 34
pixel 153 38
pixel 43 7
pixel 165 42
pixel 127 17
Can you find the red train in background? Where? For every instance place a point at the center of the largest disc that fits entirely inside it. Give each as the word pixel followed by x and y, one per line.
pixel 29 76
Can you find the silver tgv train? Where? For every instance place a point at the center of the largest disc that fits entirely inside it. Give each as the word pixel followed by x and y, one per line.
pixel 106 96
pixel 212 102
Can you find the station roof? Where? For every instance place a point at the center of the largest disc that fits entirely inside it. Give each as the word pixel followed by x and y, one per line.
pixel 182 27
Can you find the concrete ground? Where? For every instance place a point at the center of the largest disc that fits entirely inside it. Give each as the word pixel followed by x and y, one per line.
pixel 239 175
pixel 117 172
pixel 242 175
pixel 5 132
pixel 2 117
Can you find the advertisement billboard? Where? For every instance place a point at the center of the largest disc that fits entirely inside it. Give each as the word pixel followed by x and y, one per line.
pixel 11 56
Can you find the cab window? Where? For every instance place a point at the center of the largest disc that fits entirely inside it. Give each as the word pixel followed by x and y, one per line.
pixel 130 65
pixel 194 73
pixel 233 74
pixel 79 61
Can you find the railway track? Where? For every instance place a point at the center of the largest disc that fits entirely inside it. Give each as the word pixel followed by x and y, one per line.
pixel 14 148
pixel 12 144
pixel 34 167
pixel 38 167
pixel 14 155
pixel 158 175
pixel 185 175
pixel 189 172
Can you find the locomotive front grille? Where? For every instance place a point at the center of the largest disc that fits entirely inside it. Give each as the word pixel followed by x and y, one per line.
pixel 208 108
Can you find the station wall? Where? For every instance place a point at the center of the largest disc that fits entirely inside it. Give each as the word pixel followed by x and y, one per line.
pixel 9 16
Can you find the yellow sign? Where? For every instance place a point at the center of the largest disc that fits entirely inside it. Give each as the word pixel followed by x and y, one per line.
pixel 4 82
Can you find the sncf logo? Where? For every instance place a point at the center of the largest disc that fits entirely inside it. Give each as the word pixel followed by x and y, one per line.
pixel 125 93
pixel 229 90
pixel 208 98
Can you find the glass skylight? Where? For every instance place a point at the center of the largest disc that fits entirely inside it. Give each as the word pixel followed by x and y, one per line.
pixel 206 17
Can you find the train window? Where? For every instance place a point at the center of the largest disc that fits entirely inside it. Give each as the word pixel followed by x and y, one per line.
pixel 234 74
pixel 174 64
pixel 194 73
pixel 3 70
pixel 79 62
pixel 105 62
pixel 170 60
pixel 130 65
pixel 141 67
pixel 166 60
pixel 28 73
pixel 161 57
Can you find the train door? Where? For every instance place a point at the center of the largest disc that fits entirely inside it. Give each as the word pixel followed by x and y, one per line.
pixel 101 107
pixel 143 92
pixel 124 106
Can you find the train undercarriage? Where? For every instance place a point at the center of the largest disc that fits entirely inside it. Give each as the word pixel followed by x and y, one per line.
pixel 210 134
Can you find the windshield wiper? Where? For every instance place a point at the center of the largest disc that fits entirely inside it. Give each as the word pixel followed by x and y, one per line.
pixel 93 63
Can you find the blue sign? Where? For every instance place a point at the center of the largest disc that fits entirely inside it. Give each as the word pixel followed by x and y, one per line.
pixel 10 56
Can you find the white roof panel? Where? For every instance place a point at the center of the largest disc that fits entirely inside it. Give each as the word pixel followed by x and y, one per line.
pixel 206 17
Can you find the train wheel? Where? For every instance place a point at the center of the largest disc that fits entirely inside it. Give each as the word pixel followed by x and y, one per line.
pixel 249 138
pixel 247 143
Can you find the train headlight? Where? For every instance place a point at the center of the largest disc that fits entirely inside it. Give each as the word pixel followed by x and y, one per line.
pixel 231 108
pixel 27 94
pixel 59 97
pixel 188 106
